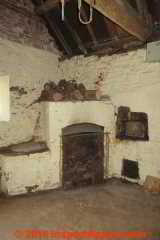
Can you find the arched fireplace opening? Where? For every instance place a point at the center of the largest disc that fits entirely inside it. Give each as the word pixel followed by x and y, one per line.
pixel 83 155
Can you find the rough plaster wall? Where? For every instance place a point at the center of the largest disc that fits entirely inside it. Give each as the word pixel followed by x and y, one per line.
pixel 130 81
pixel 121 72
pixel 38 173
pixel 24 25
pixel 144 99
pixel 28 68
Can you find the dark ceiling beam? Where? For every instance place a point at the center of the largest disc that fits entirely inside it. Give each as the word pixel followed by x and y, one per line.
pixel 50 4
pixel 142 7
pixel 47 6
pixel 112 46
pixel 143 10
pixel 75 37
pixel 123 14
pixel 111 29
pixel 59 35
pixel 90 29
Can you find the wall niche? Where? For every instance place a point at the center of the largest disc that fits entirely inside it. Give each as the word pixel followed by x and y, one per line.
pixel 131 125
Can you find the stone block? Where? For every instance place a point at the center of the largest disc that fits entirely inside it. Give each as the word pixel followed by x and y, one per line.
pixel 152 184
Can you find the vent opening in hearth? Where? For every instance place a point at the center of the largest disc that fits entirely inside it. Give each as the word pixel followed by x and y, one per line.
pixel 83 155
pixel 130 169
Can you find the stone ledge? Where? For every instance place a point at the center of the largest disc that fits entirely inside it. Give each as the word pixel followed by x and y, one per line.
pixel 25 148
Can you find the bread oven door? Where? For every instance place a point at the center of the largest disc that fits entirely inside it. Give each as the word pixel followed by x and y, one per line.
pixel 83 155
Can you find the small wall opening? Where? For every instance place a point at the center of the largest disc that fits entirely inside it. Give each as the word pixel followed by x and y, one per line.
pixel 130 169
pixel 131 125
pixel 83 155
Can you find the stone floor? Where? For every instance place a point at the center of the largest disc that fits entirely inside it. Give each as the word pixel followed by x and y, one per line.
pixel 114 206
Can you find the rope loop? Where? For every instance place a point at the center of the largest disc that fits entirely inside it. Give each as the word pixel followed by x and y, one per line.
pixel 79 13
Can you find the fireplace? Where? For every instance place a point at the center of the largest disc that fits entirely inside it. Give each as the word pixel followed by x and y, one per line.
pixel 77 136
pixel 83 155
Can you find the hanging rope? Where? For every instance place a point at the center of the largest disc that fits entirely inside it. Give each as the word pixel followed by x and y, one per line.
pixel 91 12
pixel 79 12
pixel 63 5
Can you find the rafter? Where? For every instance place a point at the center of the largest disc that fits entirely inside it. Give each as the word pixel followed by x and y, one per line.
pixel 119 11
pixel 90 29
pixel 76 37
pixel 58 33
pixel 47 6
pixel 123 14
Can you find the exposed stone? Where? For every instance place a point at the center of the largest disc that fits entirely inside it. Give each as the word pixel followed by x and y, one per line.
pixel 105 97
pixel 18 90
pixel 65 91
pixel 152 184
pixel 77 95
pixel 90 94
pixel 57 97
pixel 18 22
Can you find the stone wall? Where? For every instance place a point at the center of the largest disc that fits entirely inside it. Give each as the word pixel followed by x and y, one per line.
pixel 127 78
pixel 28 68
pixel 130 81
pixel 23 25
pixel 27 173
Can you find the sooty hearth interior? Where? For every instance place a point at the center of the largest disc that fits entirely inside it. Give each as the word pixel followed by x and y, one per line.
pixel 83 155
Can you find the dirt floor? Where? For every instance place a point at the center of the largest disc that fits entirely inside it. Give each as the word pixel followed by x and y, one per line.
pixel 114 206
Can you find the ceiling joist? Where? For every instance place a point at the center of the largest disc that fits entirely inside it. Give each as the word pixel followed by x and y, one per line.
pixel 124 15
pixel 59 35
pixel 119 11
pixel 47 6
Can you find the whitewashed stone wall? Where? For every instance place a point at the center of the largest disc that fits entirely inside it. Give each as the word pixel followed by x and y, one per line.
pixel 130 81
pixel 28 68
pixel 24 174
pixel 127 79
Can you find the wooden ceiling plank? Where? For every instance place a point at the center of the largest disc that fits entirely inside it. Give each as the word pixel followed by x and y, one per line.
pixel 143 10
pixel 75 37
pixel 59 35
pixel 123 14
pixel 142 7
pixel 47 6
pixel 90 29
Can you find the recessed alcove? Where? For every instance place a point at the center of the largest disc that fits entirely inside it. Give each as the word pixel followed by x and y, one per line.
pixel 83 155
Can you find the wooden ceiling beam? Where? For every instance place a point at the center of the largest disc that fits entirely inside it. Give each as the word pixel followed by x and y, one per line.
pixel 76 37
pixel 47 6
pixel 59 35
pixel 124 15
pixel 89 27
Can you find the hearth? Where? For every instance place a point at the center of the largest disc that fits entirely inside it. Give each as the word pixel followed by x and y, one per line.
pixel 77 136
pixel 83 155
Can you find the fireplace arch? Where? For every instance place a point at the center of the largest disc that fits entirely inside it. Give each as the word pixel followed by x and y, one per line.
pixel 82 128
pixel 83 155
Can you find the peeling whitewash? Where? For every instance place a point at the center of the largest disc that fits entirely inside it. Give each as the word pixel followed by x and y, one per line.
pixel 24 174
pixel 28 68
pixel 130 81
pixel 127 79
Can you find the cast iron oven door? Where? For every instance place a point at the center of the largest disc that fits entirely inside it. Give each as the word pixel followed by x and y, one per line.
pixel 83 155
